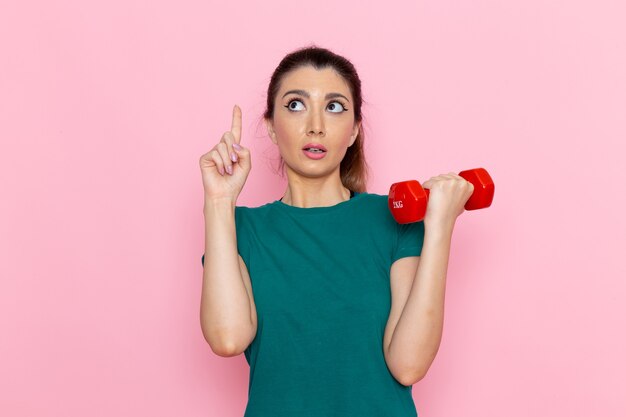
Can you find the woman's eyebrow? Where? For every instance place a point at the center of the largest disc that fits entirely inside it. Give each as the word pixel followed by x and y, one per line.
pixel 305 94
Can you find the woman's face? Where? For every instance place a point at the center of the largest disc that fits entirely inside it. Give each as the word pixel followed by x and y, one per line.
pixel 313 108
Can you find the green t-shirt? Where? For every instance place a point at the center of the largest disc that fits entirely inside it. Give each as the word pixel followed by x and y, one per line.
pixel 320 280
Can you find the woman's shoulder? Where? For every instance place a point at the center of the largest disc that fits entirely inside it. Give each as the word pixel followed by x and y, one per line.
pixel 376 206
pixel 373 196
pixel 373 199
pixel 254 212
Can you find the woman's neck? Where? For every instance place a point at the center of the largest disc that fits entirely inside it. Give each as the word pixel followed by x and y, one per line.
pixel 315 192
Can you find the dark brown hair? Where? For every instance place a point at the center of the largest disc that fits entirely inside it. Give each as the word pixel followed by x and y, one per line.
pixel 353 168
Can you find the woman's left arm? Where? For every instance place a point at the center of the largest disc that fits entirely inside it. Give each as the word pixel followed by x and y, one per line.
pixel 417 335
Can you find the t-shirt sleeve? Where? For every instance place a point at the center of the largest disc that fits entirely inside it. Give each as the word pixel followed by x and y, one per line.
pixel 409 241
pixel 241 239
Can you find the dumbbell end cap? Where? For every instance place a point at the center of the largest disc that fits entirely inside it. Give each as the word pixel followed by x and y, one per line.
pixel 484 188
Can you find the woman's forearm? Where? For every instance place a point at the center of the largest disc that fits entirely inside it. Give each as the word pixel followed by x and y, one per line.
pixel 225 305
pixel 417 336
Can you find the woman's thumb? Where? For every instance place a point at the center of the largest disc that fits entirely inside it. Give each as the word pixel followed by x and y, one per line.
pixel 243 155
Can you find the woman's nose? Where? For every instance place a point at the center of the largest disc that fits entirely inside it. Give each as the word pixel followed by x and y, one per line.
pixel 316 123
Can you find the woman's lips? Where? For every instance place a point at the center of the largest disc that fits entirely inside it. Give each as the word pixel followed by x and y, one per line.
pixel 314 155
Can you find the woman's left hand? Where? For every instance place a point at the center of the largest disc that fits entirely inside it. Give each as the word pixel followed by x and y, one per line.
pixel 447 198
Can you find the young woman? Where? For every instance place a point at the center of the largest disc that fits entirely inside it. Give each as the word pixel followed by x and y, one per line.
pixel 337 308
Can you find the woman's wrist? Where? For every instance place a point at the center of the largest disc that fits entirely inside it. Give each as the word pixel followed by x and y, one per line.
pixel 221 203
pixel 440 228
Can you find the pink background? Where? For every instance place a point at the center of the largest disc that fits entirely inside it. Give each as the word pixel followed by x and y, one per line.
pixel 106 107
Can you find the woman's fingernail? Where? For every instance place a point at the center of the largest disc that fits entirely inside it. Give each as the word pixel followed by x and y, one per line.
pixel 229 169
pixel 237 146
pixel 233 156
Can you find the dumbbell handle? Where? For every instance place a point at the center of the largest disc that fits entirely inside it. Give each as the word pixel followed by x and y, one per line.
pixel 408 199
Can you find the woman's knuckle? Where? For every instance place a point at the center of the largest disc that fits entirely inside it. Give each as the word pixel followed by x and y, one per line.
pixel 217 157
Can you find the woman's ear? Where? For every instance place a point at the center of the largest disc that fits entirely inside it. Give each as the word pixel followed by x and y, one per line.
pixel 355 133
pixel 270 129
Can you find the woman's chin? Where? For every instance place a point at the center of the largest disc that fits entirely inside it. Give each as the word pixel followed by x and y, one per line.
pixel 312 170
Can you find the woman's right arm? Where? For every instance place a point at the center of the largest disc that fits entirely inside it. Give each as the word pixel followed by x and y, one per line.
pixel 227 310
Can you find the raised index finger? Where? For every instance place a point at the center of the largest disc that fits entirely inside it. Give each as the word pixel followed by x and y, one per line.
pixel 236 124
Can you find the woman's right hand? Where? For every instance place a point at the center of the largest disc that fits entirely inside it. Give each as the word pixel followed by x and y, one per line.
pixel 215 165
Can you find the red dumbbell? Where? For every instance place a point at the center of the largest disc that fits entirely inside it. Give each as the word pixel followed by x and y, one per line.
pixel 408 200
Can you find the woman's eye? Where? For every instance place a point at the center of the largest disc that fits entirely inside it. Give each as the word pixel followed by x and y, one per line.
pixel 293 105
pixel 336 107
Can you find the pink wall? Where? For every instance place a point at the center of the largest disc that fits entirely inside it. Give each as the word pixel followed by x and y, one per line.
pixel 106 107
